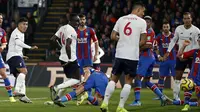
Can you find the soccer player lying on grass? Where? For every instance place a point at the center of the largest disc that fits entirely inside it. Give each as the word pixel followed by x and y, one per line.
pixel 97 80
pixel 193 75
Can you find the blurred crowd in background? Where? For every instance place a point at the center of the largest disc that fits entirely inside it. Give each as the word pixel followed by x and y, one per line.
pixel 102 15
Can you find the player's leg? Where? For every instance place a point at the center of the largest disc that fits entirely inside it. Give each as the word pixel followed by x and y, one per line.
pixel 116 73
pixel 72 72
pixel 130 72
pixel 152 86
pixel 6 82
pixel 194 103
pixel 164 71
pixel 180 67
pixel 143 65
pixel 69 96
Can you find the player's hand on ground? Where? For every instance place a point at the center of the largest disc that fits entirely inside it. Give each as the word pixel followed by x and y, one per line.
pixel 25 57
pixel 186 43
pixel 34 47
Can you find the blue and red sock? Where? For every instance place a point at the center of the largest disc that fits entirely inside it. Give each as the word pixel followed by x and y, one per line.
pixel 161 85
pixel 154 88
pixel 93 100
pixel 138 84
pixel 8 87
pixel 187 96
pixel 68 96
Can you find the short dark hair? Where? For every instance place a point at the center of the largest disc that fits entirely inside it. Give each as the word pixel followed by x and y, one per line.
pixel 138 4
pixel 186 13
pixel 81 15
pixel 23 19
pixel 72 15
pixel 1 14
pixel 165 22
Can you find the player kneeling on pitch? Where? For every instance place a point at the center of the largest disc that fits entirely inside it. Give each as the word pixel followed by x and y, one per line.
pixel 194 75
pixel 97 80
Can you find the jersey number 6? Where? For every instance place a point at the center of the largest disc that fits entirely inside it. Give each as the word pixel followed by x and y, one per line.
pixel 127 29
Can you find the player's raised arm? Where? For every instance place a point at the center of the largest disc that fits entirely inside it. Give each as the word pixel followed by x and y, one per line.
pixel 173 41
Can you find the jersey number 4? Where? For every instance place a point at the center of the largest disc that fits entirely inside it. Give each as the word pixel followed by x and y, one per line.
pixel 127 29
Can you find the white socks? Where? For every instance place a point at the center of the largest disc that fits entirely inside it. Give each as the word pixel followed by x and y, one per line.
pixel 124 95
pixel 109 91
pixel 176 90
pixel 67 83
pixel 20 83
pixel 61 92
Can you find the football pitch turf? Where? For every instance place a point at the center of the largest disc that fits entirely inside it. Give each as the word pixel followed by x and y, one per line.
pixel 40 95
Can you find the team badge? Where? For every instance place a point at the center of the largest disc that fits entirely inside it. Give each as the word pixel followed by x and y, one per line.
pixel 1 33
pixel 86 34
pixel 149 38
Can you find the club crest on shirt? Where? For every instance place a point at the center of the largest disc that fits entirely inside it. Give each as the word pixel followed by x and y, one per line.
pixel 86 34
pixel 149 38
pixel 1 33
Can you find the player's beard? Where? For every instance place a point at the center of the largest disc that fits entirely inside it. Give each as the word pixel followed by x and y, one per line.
pixel 82 24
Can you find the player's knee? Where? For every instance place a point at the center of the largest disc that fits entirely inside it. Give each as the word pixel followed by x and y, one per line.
pixel 23 70
pixel 3 73
pixel 179 74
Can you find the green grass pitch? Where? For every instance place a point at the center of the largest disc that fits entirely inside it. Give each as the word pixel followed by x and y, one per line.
pixel 40 95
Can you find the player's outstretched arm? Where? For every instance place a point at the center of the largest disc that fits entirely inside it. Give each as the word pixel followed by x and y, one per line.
pixel 180 52
pixel 22 44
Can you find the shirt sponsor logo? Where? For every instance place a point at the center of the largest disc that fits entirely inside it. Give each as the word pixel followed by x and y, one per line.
pixel 82 40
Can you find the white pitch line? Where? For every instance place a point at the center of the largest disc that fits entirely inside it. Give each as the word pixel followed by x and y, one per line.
pixel 42 98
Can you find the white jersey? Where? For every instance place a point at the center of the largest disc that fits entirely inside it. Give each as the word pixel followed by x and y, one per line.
pixel 101 53
pixel 182 34
pixel 16 44
pixel 129 28
pixel 65 32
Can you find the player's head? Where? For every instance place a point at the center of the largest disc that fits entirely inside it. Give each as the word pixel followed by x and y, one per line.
pixel 22 25
pixel 187 18
pixel 82 19
pixel 165 27
pixel 148 20
pixel 74 20
pixel 138 9
pixel 1 19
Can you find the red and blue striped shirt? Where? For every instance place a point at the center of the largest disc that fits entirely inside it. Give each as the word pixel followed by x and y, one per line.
pixel 84 38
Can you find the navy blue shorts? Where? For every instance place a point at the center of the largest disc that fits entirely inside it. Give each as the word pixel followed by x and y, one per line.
pixel 181 65
pixel 124 65
pixel 71 69
pixel 14 63
pixel 84 63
